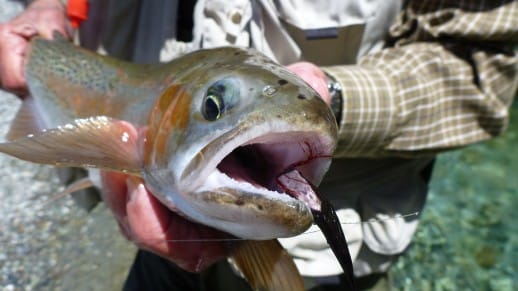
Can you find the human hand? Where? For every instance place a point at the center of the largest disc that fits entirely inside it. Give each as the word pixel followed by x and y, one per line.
pixel 42 17
pixel 152 226
pixel 314 76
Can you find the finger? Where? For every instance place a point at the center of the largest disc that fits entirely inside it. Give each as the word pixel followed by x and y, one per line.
pixel 115 188
pixel 115 196
pixel 314 76
pixel 12 54
pixel 147 217
pixel 155 228
pixel 46 18
pixel 48 32
pixel 26 31
pixel 115 191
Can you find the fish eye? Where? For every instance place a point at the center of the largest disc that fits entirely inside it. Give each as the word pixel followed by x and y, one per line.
pixel 212 107
pixel 219 98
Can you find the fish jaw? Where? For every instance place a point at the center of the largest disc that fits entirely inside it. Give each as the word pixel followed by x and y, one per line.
pixel 251 213
pixel 234 189
pixel 246 200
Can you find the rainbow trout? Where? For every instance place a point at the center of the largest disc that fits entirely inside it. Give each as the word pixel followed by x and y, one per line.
pixel 217 130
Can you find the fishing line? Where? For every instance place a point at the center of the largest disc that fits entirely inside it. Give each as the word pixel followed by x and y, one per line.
pixel 84 183
pixel 372 220
pixel 305 233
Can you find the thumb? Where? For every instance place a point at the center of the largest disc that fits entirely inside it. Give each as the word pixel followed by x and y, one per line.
pixel 314 76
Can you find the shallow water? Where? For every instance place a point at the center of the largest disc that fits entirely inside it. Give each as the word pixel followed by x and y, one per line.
pixel 468 236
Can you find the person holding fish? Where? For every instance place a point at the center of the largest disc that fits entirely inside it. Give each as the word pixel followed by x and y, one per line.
pixel 404 80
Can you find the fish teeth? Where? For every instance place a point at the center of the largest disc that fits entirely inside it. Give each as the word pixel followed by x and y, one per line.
pixel 220 180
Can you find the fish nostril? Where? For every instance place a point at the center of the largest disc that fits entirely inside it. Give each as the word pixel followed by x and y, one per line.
pixel 301 96
pixel 282 82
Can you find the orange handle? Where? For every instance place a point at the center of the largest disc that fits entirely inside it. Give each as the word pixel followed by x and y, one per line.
pixel 77 12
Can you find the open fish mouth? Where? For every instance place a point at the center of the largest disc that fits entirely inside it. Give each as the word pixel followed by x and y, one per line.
pixel 260 161
pixel 236 182
pixel 236 188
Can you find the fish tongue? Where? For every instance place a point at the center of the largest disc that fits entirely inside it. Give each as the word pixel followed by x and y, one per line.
pixel 324 216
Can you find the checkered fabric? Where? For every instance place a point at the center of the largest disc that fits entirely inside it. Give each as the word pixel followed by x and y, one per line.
pixel 445 80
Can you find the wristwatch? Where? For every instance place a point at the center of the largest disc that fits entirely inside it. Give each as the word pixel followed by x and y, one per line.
pixel 335 94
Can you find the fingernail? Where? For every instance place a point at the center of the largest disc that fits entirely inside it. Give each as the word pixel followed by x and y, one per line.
pixel 133 189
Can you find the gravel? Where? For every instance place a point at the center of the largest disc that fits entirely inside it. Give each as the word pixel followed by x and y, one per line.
pixel 54 245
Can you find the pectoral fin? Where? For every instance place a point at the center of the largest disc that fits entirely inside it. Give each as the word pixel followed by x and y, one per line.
pixel 268 266
pixel 95 142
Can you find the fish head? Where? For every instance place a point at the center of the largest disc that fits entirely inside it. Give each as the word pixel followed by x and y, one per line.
pixel 222 132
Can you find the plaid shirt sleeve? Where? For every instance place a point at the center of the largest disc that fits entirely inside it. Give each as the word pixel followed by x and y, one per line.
pixel 446 80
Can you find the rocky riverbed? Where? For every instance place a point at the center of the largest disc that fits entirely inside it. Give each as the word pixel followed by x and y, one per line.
pixel 55 245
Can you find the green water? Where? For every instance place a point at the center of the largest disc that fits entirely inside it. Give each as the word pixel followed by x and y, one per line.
pixel 468 236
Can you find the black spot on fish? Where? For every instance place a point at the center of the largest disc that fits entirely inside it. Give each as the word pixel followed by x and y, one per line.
pixel 282 82
pixel 240 202
pixel 301 96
